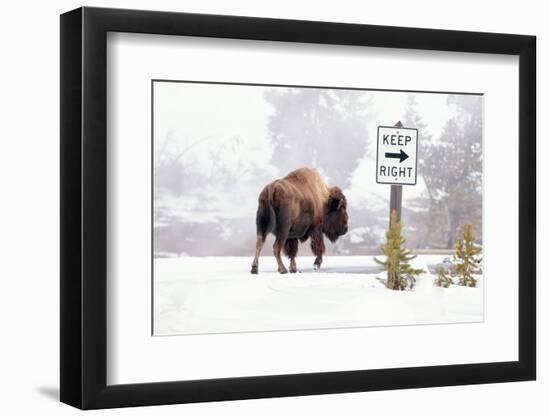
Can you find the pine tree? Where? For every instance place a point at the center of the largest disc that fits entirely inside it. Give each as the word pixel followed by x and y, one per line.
pixel 400 273
pixel 467 257
pixel 444 278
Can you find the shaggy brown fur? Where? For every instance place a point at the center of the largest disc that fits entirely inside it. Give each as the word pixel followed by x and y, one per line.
pixel 297 207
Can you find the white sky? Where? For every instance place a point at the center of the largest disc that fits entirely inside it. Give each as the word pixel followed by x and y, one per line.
pixel 190 112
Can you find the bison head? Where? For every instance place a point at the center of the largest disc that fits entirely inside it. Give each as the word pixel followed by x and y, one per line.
pixel 335 222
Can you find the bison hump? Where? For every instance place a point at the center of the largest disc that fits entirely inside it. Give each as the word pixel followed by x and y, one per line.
pixel 309 178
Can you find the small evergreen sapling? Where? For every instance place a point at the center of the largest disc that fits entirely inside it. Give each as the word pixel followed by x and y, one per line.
pixel 444 278
pixel 400 273
pixel 467 257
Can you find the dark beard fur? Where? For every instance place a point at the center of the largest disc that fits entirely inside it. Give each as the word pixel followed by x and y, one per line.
pixel 332 236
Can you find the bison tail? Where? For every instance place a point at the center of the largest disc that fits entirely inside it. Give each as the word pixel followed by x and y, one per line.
pixel 265 218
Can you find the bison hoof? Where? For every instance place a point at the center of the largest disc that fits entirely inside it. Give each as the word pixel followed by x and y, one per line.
pixel 283 271
pixel 254 269
pixel 293 270
pixel 316 267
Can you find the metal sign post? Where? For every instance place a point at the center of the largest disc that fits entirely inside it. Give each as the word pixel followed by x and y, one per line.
pixel 396 196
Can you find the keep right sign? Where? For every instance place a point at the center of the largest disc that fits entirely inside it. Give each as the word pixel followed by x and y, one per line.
pixel 396 155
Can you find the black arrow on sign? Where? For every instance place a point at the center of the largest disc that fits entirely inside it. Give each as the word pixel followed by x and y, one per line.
pixel 401 155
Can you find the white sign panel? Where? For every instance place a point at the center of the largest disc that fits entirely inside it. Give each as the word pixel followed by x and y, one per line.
pixel 396 155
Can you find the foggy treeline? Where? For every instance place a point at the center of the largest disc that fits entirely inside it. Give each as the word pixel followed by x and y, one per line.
pixel 451 169
pixel 206 189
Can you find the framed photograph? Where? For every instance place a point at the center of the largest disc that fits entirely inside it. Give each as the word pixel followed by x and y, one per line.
pixel 258 208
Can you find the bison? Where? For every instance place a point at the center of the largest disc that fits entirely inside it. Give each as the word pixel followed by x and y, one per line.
pixel 295 208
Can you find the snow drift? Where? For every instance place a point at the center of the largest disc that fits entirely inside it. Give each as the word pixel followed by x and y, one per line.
pixel 217 294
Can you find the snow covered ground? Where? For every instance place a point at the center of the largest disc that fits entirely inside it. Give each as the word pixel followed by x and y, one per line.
pixel 218 294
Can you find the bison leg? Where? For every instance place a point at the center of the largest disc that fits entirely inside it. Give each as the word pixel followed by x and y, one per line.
pixel 280 241
pixel 277 247
pixel 291 250
pixel 260 240
pixel 318 248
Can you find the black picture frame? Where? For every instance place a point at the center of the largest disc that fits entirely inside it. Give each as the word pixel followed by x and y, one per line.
pixel 84 207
